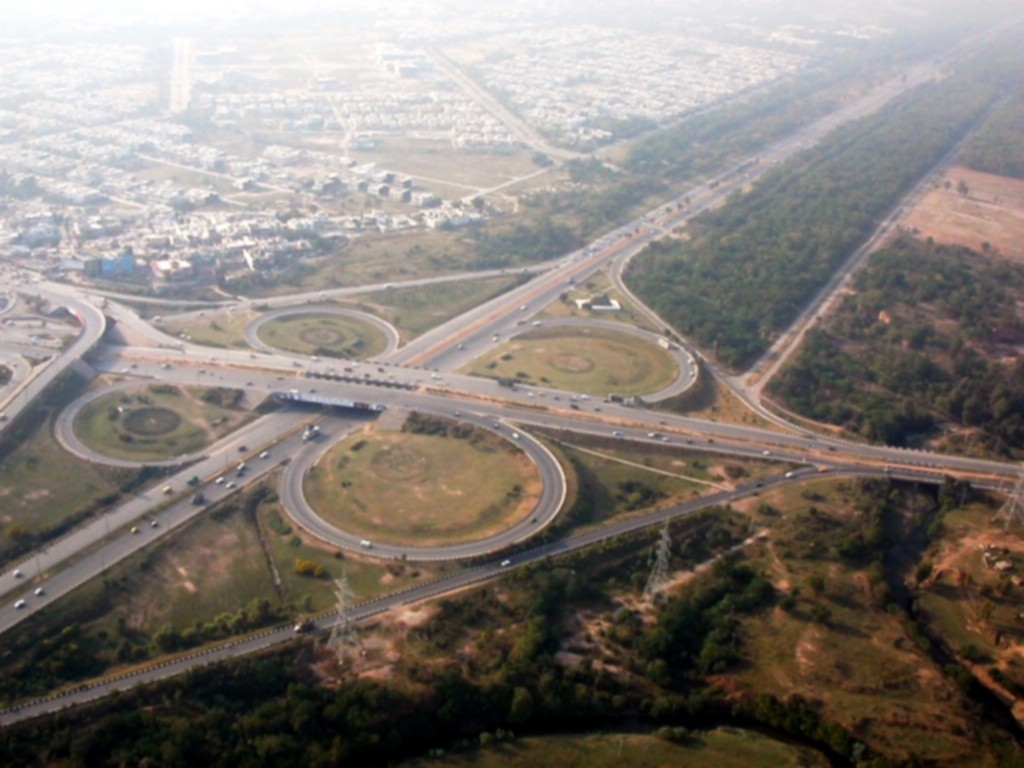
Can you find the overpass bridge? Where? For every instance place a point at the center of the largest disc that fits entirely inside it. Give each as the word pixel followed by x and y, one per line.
pixel 295 396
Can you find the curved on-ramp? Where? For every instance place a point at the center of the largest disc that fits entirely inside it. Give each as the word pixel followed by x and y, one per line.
pixel 552 498
pixel 64 431
pixel 252 338
pixel 688 370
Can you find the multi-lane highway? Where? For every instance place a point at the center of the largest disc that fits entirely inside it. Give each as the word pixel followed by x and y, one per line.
pixel 418 376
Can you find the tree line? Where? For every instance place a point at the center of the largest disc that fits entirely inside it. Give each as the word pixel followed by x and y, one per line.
pixel 919 343
pixel 748 268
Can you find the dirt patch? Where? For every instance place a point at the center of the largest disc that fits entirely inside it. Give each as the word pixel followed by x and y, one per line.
pixel 151 421
pixel 571 363
pixel 990 209
pixel 322 337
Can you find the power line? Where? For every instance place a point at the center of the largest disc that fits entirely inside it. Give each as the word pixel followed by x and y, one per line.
pixel 659 573
pixel 1012 510
pixel 343 632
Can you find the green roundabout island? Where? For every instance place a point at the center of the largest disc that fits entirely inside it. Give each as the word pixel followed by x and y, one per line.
pixel 597 361
pixel 322 333
pixel 434 483
pixel 158 422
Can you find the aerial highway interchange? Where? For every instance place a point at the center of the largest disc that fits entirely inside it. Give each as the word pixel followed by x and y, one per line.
pixel 418 376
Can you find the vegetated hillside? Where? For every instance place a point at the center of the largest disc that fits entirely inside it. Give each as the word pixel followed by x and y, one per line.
pixel 798 634
pixel 999 146
pixel 932 335
pixel 749 267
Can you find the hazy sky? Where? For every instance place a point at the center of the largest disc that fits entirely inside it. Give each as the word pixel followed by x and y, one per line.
pixel 148 8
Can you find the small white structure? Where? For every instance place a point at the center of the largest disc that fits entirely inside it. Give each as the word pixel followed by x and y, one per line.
pixel 599 303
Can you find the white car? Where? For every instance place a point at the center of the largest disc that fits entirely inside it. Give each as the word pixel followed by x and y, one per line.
pixel 265 455
pixel 766 453
pixel 365 544
pixel 17 573
pixel 506 563
pixel 39 592
pixel 20 604
pixel 219 481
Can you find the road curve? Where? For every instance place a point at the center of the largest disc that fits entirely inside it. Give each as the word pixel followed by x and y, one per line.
pixel 252 337
pixel 552 498
pixel 94 325
pixel 687 367
pixel 64 431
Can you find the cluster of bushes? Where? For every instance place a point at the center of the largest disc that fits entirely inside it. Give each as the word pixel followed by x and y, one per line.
pixel 223 397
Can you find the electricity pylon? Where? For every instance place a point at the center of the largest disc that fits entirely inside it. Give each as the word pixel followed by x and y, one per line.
pixel 659 573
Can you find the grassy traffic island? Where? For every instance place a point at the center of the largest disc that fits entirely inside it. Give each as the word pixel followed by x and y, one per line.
pixel 591 360
pixel 160 421
pixel 434 482
pixel 323 333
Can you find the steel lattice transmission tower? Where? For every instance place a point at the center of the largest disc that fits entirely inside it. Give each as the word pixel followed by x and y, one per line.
pixel 659 573
pixel 343 632
pixel 1013 510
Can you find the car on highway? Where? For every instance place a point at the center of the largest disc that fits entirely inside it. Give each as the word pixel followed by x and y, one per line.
pixel 135 529
pixel 229 484
pixel 366 544
pixel 616 433
pixel 167 490
pixel 39 592
pixel 766 453
pixel 20 604
pixel 265 455
pixel 506 563
pixel 17 573
pixel 219 480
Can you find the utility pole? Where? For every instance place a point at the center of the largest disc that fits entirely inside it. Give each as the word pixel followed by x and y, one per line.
pixel 1013 510
pixel 343 632
pixel 659 573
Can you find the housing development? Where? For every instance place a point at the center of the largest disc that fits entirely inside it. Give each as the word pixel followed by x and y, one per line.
pixel 441 384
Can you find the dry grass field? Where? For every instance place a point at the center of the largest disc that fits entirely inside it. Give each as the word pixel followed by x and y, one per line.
pixel 991 211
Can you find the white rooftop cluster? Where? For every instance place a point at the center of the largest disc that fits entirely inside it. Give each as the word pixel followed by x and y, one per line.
pixel 569 81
